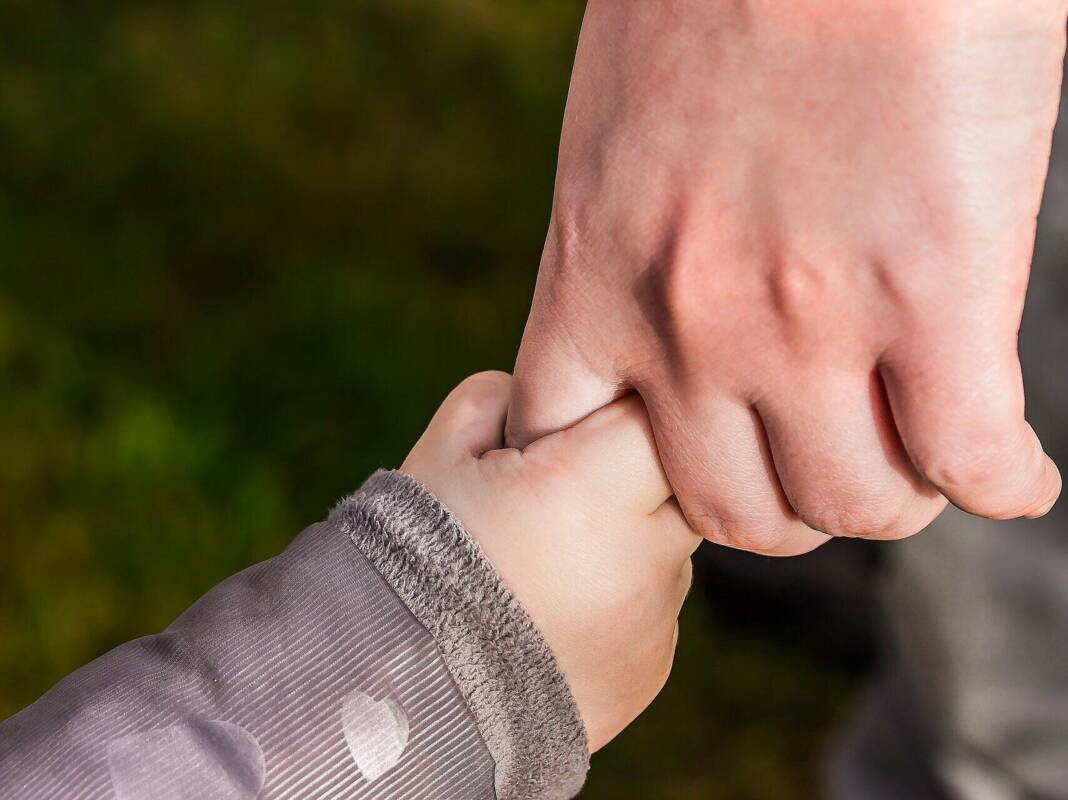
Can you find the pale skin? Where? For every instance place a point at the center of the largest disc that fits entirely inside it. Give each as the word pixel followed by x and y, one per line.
pixel 802 232
pixel 582 527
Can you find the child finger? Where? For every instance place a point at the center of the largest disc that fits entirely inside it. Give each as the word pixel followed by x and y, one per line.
pixel 613 453
pixel 470 421
pixel 673 540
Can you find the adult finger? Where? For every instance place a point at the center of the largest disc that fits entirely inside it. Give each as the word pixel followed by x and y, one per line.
pixel 958 403
pixel 555 385
pixel 839 459
pixel 715 454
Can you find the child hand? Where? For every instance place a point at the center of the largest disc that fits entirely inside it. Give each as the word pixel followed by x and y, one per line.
pixel 583 527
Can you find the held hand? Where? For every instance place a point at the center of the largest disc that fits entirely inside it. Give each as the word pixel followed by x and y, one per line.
pixel 802 232
pixel 582 528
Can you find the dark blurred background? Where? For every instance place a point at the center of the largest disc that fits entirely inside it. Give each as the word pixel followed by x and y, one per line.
pixel 245 249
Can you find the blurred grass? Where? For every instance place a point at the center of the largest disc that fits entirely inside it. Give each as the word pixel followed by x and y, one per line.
pixel 245 248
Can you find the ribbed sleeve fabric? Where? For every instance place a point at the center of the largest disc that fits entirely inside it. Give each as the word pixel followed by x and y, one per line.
pixel 502 665
pixel 309 675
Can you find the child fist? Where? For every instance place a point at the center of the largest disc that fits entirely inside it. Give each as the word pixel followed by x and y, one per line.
pixel 583 527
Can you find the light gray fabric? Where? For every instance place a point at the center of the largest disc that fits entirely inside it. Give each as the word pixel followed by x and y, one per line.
pixel 306 676
pixel 504 668
pixel 979 609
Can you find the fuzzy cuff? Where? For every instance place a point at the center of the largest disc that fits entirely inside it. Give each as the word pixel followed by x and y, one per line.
pixel 499 660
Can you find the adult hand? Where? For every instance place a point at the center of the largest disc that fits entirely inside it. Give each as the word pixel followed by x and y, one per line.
pixel 802 232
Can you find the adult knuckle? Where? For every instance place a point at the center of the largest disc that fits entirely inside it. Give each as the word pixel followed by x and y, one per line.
pixel 742 531
pixel 861 517
pixel 799 287
pixel 961 469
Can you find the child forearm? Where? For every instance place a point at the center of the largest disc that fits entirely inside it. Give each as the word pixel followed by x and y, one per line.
pixel 356 663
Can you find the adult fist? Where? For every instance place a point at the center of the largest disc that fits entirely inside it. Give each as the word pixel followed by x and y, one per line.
pixel 802 232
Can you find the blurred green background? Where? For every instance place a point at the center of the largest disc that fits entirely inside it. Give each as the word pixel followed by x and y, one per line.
pixel 245 249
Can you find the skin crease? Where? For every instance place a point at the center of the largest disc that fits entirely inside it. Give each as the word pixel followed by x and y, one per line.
pixel 802 232
pixel 582 527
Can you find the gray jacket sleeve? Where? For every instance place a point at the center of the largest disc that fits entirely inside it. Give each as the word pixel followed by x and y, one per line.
pixel 378 656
